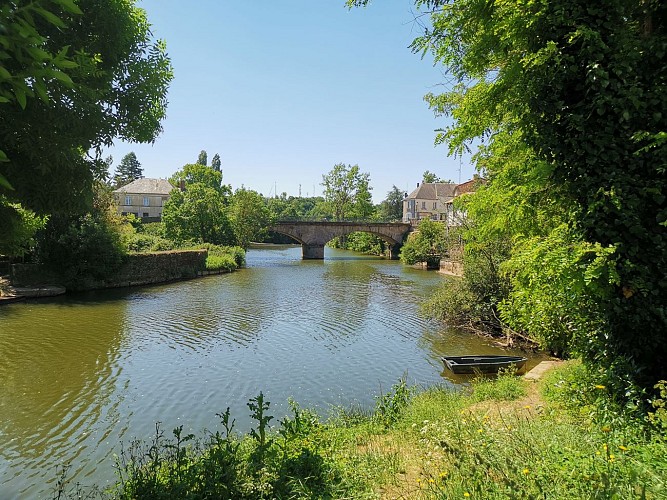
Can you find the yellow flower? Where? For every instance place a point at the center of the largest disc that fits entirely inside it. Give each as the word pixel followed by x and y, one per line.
pixel 527 407
pixel 480 430
pixel 606 428
pixel 431 480
pixel 526 471
pixel 622 448
pixel 598 386
pixel 597 452
pixel 466 494
pixel 443 474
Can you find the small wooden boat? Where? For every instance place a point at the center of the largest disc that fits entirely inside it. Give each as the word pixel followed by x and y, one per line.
pixel 484 363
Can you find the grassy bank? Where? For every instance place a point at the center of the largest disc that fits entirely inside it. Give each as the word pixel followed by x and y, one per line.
pixel 509 438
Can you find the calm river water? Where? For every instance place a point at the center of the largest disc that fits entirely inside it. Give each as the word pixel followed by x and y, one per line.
pixel 80 374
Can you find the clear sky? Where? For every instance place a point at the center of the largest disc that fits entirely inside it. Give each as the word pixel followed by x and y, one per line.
pixel 285 89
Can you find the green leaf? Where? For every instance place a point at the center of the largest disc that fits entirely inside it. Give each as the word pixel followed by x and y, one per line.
pixel 40 89
pixel 69 6
pixel 4 99
pixel 63 77
pixel 4 73
pixel 5 183
pixel 20 97
pixel 50 17
pixel 66 64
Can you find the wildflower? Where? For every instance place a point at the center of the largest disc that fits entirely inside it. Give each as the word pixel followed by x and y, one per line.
pixel 431 481
pixel 604 446
pixel 606 428
pixel 443 474
pixel 527 407
pixel 598 386
pixel 480 430
pixel 466 494
pixel 526 471
pixel 622 448
pixel 597 452
pixel 612 457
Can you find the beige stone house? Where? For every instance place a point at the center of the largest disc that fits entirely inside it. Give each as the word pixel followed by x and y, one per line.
pixel 436 201
pixel 144 198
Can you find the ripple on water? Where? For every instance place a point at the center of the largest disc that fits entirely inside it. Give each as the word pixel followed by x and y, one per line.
pixel 109 365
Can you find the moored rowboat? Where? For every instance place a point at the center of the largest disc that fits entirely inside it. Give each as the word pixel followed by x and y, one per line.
pixel 483 363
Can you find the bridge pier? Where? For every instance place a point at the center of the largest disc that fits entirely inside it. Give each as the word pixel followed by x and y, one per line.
pixel 393 251
pixel 312 251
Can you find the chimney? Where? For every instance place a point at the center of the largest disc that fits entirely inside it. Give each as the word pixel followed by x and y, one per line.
pixel 417 184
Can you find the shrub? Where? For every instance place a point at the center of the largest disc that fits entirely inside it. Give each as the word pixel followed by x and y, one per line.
pixel 220 263
pixel 81 248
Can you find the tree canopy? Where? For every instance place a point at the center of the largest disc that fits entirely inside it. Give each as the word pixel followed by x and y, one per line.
pixel 347 192
pixel 199 211
pixel 128 170
pixel 566 98
pixel 75 75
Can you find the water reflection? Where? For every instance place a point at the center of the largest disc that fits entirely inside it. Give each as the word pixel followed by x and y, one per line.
pixel 57 388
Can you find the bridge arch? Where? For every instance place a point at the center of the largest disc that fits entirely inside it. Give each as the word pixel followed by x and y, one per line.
pixel 314 235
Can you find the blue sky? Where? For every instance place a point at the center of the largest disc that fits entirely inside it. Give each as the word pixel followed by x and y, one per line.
pixel 284 90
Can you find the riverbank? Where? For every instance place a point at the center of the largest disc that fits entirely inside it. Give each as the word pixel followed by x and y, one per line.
pixel 507 438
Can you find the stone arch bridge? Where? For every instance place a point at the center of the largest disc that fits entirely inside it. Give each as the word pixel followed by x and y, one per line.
pixel 313 235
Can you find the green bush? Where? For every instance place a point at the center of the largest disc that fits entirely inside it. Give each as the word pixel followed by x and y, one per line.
pixel 220 263
pixel 81 248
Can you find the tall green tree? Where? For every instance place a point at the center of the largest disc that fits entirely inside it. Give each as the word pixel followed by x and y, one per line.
pixel 216 163
pixel 199 211
pixel 196 173
pixel 391 208
pixel 128 170
pixel 347 192
pixel 582 87
pixel 76 75
pixel 249 216
pixel 197 214
pixel 202 159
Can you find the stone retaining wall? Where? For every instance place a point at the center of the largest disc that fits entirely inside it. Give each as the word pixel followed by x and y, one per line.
pixel 138 269
pixel 451 267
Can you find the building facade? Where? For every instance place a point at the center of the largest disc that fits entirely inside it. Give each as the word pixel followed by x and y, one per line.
pixel 435 201
pixel 144 198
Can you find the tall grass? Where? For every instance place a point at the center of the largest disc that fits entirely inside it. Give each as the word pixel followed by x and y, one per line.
pixel 499 439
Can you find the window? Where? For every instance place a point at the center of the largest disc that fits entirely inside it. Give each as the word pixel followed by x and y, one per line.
pixel 147 201
pixel 145 214
pixel 435 205
pixel 423 205
pixel 128 200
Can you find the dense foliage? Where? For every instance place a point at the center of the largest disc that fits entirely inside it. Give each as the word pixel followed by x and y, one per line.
pixel 566 99
pixel 76 75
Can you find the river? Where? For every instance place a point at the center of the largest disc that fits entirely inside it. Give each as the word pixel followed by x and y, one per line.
pixel 80 374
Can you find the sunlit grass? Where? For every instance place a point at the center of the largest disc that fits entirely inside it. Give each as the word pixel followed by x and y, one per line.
pixel 497 439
